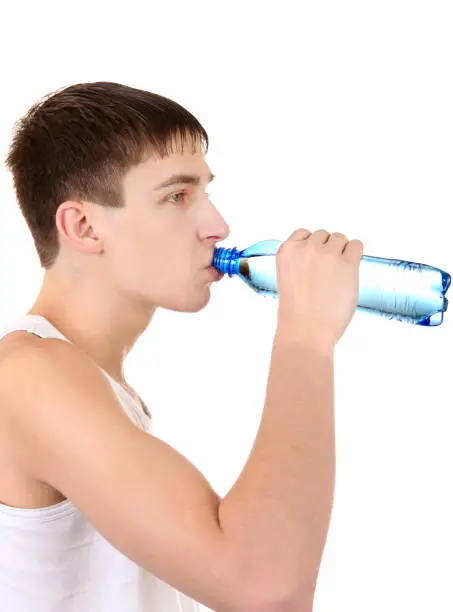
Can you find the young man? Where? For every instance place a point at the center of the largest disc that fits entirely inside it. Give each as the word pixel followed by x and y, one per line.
pixel 97 513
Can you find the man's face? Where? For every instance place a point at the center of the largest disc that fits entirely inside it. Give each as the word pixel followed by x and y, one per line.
pixel 159 246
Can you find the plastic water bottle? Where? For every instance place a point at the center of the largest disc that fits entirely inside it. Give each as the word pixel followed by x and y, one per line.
pixel 390 288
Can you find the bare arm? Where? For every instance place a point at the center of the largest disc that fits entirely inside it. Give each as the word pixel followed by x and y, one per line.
pixel 280 506
pixel 259 547
pixel 66 428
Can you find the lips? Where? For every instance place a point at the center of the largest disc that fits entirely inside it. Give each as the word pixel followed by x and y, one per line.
pixel 215 273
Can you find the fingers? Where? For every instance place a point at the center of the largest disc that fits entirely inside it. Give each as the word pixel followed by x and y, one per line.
pixel 352 251
pixel 300 234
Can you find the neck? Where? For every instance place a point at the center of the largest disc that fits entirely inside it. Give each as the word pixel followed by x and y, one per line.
pixel 99 319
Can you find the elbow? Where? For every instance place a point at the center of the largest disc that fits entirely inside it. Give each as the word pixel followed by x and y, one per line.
pixel 254 588
pixel 278 605
pixel 266 599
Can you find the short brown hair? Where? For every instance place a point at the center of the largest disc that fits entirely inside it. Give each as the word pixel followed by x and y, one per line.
pixel 79 142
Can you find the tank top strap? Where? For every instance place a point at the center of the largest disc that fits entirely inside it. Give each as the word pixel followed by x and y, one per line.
pixel 34 323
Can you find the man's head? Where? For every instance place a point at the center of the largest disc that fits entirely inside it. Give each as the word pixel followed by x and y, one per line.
pixel 86 162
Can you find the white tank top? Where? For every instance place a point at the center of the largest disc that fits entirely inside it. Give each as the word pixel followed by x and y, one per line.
pixel 52 559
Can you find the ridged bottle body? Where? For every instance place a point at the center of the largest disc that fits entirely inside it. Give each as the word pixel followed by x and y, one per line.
pixel 390 288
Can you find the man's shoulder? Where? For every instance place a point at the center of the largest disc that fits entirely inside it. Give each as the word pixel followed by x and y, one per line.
pixel 33 373
pixel 22 352
pixel 25 343
pixel 16 340
pixel 19 340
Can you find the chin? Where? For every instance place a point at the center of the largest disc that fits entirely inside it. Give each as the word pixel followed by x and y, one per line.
pixel 197 303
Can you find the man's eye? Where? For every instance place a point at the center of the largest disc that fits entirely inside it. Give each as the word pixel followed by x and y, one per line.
pixel 175 195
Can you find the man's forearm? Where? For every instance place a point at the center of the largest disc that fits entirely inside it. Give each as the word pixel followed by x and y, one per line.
pixel 279 509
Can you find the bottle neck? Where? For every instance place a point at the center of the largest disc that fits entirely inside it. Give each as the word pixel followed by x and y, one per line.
pixel 226 261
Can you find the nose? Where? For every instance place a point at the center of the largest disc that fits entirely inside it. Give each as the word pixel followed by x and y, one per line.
pixel 222 231
pixel 226 231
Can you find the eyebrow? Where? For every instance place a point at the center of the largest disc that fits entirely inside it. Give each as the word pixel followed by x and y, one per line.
pixel 190 179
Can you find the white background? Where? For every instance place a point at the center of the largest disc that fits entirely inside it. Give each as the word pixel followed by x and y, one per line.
pixel 324 115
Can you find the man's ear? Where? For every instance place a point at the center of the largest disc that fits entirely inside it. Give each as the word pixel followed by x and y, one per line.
pixel 74 221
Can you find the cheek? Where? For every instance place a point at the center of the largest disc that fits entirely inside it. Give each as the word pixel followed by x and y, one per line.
pixel 125 257
pixel 144 264
pixel 147 256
